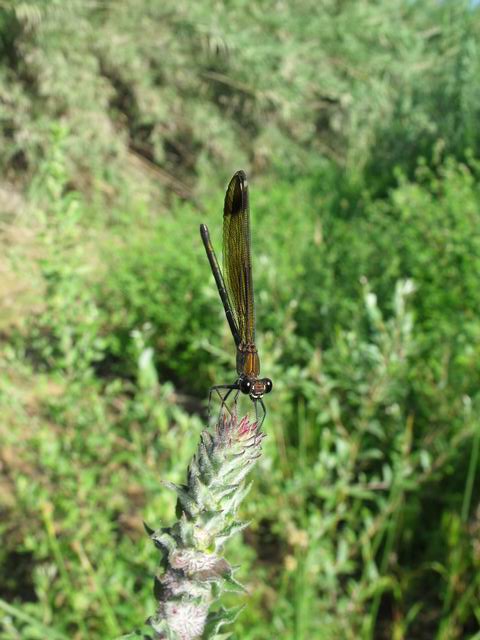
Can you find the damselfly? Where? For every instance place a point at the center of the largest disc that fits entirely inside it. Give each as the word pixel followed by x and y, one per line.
pixel 236 293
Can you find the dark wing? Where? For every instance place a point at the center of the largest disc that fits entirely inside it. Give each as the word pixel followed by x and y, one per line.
pixel 237 262
pixel 219 281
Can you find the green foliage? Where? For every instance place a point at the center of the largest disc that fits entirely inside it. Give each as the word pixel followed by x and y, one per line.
pixel 188 90
pixel 359 121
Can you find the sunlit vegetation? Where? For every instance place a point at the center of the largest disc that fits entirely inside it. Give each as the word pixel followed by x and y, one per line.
pixel 358 124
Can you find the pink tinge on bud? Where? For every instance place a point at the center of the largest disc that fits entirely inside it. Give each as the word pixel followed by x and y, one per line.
pixel 246 426
pixel 235 431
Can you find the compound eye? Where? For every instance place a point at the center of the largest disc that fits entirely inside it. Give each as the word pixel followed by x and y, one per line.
pixel 245 386
pixel 268 385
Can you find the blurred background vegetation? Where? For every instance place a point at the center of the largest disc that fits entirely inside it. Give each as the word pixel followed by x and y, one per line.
pixel 358 123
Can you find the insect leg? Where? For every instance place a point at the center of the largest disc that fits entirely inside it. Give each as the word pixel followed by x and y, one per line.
pixel 262 414
pixel 217 389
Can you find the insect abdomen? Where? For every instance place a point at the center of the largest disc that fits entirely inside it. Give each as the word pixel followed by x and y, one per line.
pixel 248 362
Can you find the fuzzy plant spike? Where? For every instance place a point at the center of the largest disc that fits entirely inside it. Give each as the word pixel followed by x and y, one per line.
pixel 193 574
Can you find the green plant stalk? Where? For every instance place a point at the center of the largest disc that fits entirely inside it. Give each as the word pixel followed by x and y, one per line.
pixel 57 554
pixel 467 498
pixel 193 573
pixel 109 614
pixel 397 496
pixel 472 469
pixel 15 612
